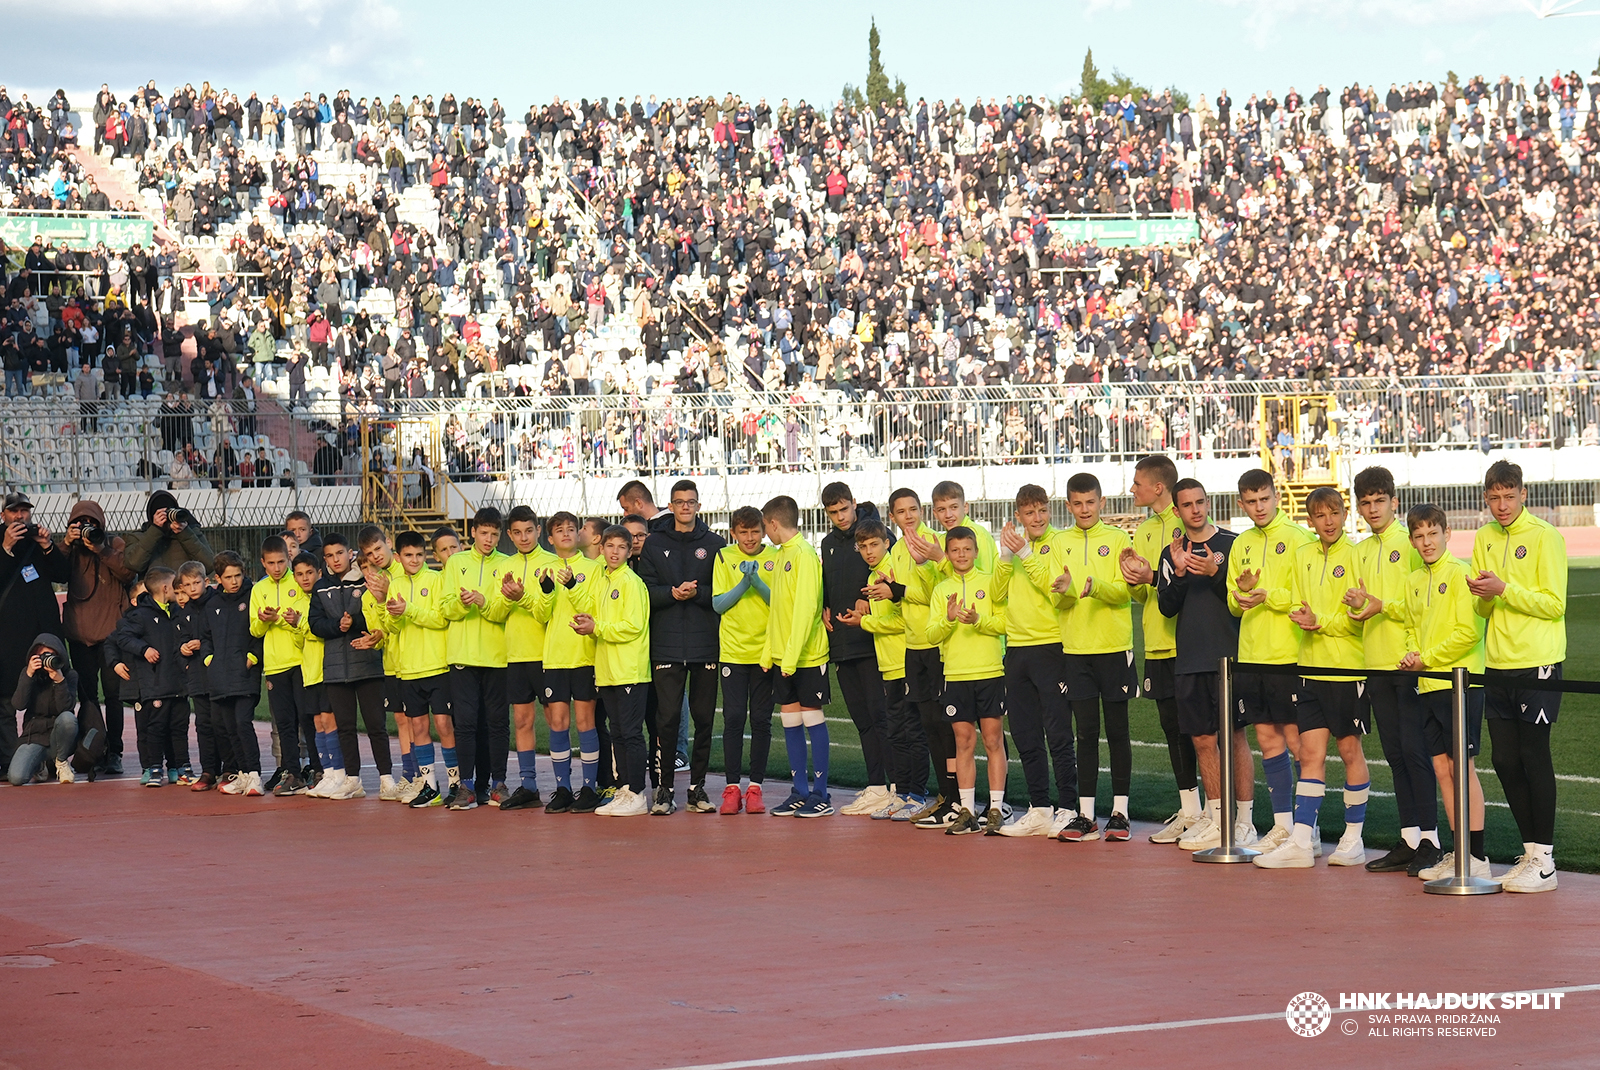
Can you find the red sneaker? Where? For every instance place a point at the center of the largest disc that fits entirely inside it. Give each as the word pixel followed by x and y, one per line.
pixel 732 799
pixel 204 782
pixel 752 800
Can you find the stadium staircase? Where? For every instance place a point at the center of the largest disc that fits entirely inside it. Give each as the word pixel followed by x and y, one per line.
pixel 118 180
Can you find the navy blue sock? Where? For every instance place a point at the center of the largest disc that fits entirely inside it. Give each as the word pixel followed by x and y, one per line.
pixel 588 755
pixel 819 757
pixel 1280 782
pixel 526 765
pixel 561 756
pixel 794 741
pixel 422 753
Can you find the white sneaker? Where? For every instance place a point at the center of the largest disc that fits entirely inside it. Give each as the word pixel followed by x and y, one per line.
pixel 64 773
pixel 1521 863
pixel 351 788
pixel 1063 817
pixel 1288 856
pixel 1316 841
pixel 605 808
pixel 635 805
pixel 412 789
pixel 234 784
pixel 890 806
pixel 1036 822
pixel 1202 835
pixel 1446 867
pixel 1176 826
pixel 1351 852
pixel 1244 834
pixel 332 780
pixel 388 790
pixel 868 800
pixel 1274 839
pixel 1533 878
pixel 253 785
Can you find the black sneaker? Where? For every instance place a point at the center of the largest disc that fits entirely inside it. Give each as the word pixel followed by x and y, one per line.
pixel 663 804
pixel 1396 861
pixel 941 816
pixel 271 786
pixel 428 796
pixel 964 824
pixel 289 784
pixel 1426 857
pixel 680 763
pixel 113 765
pixel 1079 830
pixel 994 819
pixel 587 801
pixel 461 797
pixel 560 802
pixel 699 803
pixel 521 799
pixel 1117 828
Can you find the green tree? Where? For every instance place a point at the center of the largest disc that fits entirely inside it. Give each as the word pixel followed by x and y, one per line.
pixel 877 80
pixel 852 97
pixel 1089 80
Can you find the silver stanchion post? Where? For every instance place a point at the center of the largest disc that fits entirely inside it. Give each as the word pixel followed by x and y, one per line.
pixel 1463 883
pixel 1226 851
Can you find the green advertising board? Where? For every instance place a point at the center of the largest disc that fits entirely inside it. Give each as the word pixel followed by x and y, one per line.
pixel 78 231
pixel 1127 230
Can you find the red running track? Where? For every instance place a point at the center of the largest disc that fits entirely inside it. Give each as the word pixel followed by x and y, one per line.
pixel 143 928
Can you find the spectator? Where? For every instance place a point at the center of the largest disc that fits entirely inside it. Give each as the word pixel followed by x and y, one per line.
pixel 168 538
pixel 29 564
pixel 96 598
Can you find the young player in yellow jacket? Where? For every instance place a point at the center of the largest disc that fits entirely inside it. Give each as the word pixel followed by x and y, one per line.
pixel 885 622
pixel 275 600
pixel 1260 578
pixel 519 585
pixel 971 637
pixel 1326 706
pixel 740 590
pixel 1378 602
pixel 418 639
pixel 614 607
pixel 381 567
pixel 474 602
pixel 1097 635
pixel 797 646
pixel 1443 632
pixel 1519 565
pixel 910 579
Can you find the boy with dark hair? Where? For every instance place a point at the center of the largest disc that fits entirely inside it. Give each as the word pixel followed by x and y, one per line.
pixel 910 580
pixel 1036 664
pixel 589 536
pixel 740 593
pixel 1097 637
pixel 1378 603
pixel 145 645
pixel 214 737
pixel 855 663
pixel 886 624
pixel 346 618
pixel 676 566
pixel 1519 565
pixel 1443 631
pixel 1260 581
pixel 570 694
pixel 1326 706
pixel 276 605
pixel 1153 479
pixel 474 603
pixel 615 609
pixel 417 639
pixel 525 658
pixel 381 569
pixel 971 636
pixel 444 542
pixel 232 658
pixel 797 645
pixel 316 712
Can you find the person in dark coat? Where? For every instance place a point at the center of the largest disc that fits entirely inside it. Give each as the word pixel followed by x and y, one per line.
pixel 232 658
pixel 167 539
pixel 29 564
pixel 676 566
pixel 46 696
pixel 97 595
pixel 352 663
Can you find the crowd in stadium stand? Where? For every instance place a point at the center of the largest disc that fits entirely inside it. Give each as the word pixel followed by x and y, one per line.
pixel 720 246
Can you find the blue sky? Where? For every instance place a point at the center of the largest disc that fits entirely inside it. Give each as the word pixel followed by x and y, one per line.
pixel 527 52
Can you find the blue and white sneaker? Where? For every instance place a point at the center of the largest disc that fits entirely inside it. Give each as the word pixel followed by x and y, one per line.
pixel 894 804
pixel 816 806
pixel 790 806
pixel 914 805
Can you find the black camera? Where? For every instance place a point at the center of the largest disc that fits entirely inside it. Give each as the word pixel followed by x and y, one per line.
pixel 49 661
pixel 91 532
pixel 31 532
pixel 182 516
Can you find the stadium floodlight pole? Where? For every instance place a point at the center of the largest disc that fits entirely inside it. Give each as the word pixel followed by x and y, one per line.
pixel 1226 851
pixel 1463 883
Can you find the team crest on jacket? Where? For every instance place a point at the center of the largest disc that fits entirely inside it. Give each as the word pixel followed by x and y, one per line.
pixel 1104 551
pixel 616 593
pixel 1279 548
pixel 1442 587
pixel 768 566
pixel 787 565
pixel 1394 556
pixel 980 594
pixel 424 592
pixel 1338 570
pixel 1045 548
pixel 701 553
pixel 1521 552
pixel 1176 532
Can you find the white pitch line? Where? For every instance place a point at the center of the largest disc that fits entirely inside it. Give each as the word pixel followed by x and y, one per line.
pixel 1029 1038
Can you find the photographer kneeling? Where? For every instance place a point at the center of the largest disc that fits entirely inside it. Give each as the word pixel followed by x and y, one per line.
pixel 168 538
pixel 46 697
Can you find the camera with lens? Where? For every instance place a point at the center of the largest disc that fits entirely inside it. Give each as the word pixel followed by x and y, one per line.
pixel 181 516
pixel 91 532
pixel 31 531
pixel 49 661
